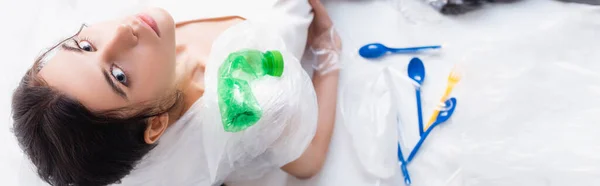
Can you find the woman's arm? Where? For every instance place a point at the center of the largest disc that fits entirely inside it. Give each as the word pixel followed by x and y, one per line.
pixel 325 80
pixel 313 158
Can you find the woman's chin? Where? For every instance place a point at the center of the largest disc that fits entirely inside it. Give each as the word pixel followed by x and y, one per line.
pixel 163 19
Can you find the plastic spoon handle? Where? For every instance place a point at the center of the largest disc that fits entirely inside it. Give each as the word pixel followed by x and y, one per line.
pixel 418 146
pixel 413 49
pixel 451 105
pixel 403 166
pixel 419 112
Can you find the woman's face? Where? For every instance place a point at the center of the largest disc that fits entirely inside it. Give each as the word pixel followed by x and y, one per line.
pixel 118 63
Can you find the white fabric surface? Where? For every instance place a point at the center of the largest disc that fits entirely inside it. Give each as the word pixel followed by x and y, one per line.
pixel 527 103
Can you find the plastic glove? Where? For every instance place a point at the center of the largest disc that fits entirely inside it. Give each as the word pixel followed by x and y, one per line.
pixel 326 49
pixel 323 41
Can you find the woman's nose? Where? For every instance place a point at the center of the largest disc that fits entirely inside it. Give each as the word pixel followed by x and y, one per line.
pixel 122 40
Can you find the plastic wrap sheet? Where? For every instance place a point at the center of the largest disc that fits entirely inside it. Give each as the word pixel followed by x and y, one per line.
pixel 528 96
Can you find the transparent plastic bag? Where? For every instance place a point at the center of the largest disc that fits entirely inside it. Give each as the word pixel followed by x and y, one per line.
pixel 369 111
pixel 288 102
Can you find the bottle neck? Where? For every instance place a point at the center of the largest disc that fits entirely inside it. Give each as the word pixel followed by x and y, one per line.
pixel 273 65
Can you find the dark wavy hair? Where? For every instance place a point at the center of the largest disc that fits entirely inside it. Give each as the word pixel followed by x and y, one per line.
pixel 73 146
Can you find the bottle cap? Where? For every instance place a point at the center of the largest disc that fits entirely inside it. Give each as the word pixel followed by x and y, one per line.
pixel 274 63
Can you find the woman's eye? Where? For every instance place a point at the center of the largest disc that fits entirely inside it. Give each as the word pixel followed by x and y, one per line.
pixel 119 75
pixel 86 46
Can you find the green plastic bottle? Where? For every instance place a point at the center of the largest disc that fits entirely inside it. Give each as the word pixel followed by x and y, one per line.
pixel 238 106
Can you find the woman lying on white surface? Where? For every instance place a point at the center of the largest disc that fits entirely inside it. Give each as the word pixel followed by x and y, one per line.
pixel 126 101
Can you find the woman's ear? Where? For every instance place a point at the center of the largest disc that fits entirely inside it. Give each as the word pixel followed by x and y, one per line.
pixel 156 127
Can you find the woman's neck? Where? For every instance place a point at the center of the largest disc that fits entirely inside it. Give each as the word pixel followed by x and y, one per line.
pixel 187 71
pixel 194 40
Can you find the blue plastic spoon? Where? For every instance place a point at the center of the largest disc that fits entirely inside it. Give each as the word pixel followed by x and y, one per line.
pixel 443 116
pixel 416 72
pixel 403 166
pixel 376 50
pixel 402 160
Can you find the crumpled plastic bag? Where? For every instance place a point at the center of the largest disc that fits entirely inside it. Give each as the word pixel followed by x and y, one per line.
pixel 289 106
pixel 369 109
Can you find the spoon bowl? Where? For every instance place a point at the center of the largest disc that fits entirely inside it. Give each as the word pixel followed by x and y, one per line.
pixel 373 50
pixel 416 70
pixel 444 115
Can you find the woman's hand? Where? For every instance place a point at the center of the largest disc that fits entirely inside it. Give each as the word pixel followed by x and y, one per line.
pixel 323 40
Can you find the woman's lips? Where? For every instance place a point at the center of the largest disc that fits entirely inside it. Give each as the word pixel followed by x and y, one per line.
pixel 150 22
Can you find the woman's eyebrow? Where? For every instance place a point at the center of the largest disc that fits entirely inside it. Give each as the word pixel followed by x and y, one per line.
pixel 114 87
